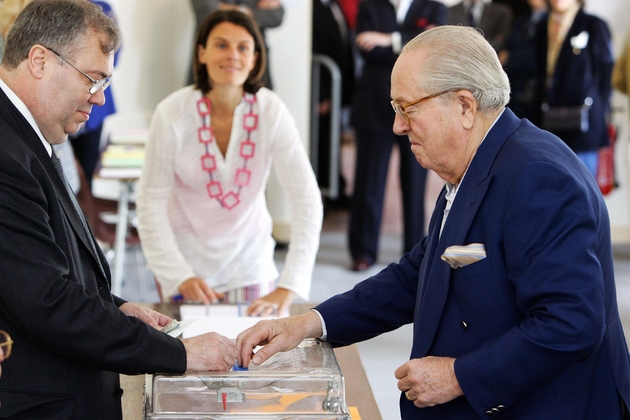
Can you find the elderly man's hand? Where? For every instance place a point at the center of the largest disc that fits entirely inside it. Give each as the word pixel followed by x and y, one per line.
pixel 276 335
pixel 429 381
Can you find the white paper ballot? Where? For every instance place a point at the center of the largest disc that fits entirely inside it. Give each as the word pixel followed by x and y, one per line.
pixel 226 319
pixel 229 327
pixel 175 328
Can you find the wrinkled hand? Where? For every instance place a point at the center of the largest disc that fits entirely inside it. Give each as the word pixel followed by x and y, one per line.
pixel 210 351
pixel 148 316
pixel 276 335
pixel 429 381
pixel 369 39
pixel 196 290
pixel 275 302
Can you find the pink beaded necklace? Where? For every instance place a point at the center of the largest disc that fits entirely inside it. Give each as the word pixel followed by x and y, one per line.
pixel 228 199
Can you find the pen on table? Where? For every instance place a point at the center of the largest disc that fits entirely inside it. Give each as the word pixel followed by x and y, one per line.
pixel 177 298
pixel 238 308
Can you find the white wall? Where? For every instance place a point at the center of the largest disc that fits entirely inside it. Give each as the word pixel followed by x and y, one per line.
pixel 158 36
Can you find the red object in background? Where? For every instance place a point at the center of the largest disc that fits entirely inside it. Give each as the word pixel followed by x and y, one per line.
pixel 606 163
pixel 350 9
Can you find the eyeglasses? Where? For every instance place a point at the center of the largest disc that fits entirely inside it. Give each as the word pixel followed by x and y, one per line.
pixel 400 109
pixel 6 343
pixel 96 84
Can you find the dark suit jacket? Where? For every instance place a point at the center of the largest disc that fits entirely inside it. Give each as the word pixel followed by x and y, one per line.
pixel 534 326
pixel 578 74
pixel 371 101
pixel 71 340
pixel 495 23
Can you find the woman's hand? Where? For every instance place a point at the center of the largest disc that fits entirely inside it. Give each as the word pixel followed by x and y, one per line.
pixel 276 302
pixel 196 290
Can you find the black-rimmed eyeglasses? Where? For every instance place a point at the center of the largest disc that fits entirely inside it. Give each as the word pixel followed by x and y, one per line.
pixel 96 84
pixel 399 109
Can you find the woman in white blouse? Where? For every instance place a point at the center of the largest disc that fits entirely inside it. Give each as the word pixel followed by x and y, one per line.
pixel 203 220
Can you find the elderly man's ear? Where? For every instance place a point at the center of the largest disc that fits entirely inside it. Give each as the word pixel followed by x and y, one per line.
pixel 468 105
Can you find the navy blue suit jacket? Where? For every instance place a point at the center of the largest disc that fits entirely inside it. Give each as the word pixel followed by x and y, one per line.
pixel 579 73
pixel 371 101
pixel 534 326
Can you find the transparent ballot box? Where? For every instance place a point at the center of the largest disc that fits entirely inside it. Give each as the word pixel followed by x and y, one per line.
pixel 304 383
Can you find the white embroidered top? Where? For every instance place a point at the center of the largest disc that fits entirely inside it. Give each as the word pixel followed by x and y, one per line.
pixel 185 233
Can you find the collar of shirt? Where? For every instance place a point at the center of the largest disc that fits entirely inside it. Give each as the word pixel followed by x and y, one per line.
pixel 451 189
pixel 17 102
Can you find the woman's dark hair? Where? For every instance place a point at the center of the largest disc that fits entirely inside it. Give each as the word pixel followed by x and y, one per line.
pixel 254 81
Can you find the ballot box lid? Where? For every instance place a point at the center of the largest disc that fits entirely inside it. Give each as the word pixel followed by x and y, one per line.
pixel 304 383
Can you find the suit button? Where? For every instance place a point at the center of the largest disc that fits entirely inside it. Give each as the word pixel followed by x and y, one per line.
pixel 119 393
pixel 465 325
pixel 500 407
pixel 489 413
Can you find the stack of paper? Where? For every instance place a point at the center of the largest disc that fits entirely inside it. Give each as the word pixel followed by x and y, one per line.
pixel 120 156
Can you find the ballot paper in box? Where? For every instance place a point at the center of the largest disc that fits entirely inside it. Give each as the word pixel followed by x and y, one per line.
pixel 304 383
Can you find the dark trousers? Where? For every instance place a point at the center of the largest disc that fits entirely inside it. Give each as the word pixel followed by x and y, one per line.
pixel 373 152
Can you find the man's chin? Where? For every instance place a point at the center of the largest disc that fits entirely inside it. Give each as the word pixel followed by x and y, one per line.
pixel 74 129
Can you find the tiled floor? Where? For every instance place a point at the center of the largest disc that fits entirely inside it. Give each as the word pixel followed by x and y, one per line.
pixel 382 355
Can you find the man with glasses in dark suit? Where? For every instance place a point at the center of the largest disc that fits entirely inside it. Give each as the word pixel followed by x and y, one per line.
pixel 74 336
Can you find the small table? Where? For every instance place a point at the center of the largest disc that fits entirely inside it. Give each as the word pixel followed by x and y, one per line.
pixel 125 152
pixel 126 178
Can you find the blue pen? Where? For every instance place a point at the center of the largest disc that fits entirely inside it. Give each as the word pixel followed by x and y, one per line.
pixel 239 368
pixel 177 298
pixel 238 308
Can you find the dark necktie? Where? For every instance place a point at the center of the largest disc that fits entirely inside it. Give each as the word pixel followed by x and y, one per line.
pixel 77 208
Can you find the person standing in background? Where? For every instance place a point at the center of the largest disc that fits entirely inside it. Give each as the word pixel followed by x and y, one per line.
pixel 266 14
pixel 494 20
pixel 575 61
pixel 203 220
pixel 519 59
pixel 383 27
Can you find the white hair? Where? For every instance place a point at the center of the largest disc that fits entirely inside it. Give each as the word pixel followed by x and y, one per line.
pixel 458 57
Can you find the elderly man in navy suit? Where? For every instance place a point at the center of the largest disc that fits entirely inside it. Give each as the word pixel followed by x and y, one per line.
pixel 512 293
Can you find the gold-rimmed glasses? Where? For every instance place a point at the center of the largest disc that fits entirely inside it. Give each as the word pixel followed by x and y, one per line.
pixel 96 84
pixel 6 344
pixel 399 109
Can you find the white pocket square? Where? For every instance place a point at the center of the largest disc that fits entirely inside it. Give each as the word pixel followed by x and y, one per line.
pixel 462 255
